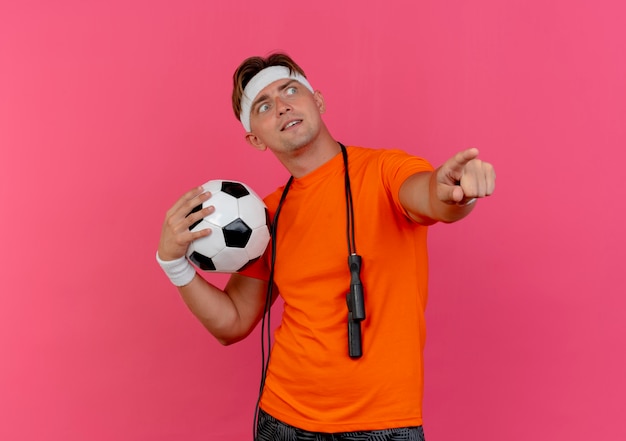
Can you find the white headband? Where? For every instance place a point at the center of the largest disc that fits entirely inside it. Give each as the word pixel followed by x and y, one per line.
pixel 259 82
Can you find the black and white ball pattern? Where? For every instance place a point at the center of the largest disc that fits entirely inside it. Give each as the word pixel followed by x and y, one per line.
pixel 239 224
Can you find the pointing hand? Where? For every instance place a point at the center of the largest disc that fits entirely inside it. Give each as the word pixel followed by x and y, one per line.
pixel 463 178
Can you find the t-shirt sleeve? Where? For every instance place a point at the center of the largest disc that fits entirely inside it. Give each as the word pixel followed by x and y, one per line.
pixel 259 268
pixel 396 167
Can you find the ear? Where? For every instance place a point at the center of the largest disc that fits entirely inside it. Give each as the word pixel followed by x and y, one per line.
pixel 255 142
pixel 319 100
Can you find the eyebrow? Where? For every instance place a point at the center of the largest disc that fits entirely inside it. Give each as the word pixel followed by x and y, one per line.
pixel 266 96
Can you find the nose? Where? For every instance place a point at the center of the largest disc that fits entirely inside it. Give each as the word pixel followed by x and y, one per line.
pixel 282 106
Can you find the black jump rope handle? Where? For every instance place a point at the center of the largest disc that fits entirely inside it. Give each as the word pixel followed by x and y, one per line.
pixel 356 307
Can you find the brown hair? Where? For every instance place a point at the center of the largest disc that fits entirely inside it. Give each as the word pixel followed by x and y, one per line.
pixel 252 66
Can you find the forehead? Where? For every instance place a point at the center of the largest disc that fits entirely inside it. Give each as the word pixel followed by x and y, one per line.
pixel 274 88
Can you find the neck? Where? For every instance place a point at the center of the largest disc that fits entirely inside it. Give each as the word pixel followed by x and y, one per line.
pixel 305 159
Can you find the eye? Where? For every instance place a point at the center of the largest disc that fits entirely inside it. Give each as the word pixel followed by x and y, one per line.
pixel 291 90
pixel 263 108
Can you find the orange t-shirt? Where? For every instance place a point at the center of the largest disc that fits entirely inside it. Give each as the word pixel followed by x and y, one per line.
pixel 311 381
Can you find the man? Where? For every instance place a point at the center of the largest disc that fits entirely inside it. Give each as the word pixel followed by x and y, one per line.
pixel 347 358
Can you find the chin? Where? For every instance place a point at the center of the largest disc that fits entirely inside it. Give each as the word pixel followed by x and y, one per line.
pixel 297 144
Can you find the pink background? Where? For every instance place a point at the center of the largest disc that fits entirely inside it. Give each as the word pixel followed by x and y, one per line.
pixel 110 110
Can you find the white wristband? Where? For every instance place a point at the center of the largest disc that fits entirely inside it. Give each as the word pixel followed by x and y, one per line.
pixel 179 270
pixel 469 202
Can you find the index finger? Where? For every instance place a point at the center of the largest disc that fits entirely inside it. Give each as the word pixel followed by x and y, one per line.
pixel 185 199
pixel 461 159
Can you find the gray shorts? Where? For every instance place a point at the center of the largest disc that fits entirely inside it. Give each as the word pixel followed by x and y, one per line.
pixel 271 429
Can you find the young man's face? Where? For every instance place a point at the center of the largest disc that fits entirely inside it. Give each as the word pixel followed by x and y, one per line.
pixel 285 116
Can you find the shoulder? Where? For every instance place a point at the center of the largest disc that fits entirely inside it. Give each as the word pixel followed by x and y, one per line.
pixel 272 199
pixel 389 158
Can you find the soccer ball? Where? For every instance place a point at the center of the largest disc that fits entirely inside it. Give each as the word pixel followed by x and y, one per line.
pixel 239 224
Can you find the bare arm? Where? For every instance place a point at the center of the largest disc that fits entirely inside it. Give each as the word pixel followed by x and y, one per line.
pixel 448 193
pixel 229 314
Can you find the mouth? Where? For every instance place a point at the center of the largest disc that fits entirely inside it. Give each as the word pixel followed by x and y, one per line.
pixel 291 124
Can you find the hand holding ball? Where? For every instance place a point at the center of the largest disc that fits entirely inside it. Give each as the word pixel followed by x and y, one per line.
pixel 239 224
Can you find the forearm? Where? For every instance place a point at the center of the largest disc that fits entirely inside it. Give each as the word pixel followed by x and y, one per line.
pixel 226 314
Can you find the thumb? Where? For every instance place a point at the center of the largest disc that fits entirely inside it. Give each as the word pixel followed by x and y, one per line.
pixel 450 193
